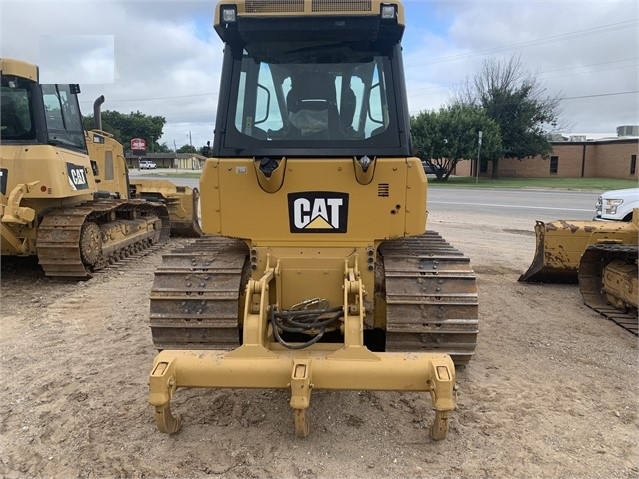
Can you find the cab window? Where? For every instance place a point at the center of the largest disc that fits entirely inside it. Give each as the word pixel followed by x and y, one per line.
pixel 15 110
pixel 62 115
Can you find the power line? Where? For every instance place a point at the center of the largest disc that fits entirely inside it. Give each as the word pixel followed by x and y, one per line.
pixel 156 98
pixel 448 86
pixel 592 65
pixel 539 41
pixel 580 97
pixel 411 92
pixel 599 95
pixel 550 39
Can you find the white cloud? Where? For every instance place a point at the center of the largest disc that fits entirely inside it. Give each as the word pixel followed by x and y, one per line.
pixel 163 57
pixel 584 51
pixel 94 54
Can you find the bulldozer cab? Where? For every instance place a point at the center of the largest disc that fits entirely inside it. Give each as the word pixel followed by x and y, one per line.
pixel 40 114
pixel 300 88
pixel 320 89
pixel 62 116
pixel 47 119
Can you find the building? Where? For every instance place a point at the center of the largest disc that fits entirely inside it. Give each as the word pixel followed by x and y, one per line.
pixel 575 156
pixel 184 161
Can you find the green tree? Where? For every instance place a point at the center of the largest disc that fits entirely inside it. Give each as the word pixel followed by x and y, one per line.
pixel 517 101
pixel 163 148
pixel 444 138
pixel 186 149
pixel 124 127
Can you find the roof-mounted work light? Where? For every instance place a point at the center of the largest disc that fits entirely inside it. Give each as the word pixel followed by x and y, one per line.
pixel 228 14
pixel 389 11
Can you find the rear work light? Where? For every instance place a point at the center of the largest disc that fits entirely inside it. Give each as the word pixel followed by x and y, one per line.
pixel 389 11
pixel 228 14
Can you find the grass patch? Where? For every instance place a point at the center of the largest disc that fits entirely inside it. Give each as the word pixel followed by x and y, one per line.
pixel 595 184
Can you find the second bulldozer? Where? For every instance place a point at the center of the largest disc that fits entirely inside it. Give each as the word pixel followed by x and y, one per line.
pixel 112 175
pixel 66 195
pixel 599 255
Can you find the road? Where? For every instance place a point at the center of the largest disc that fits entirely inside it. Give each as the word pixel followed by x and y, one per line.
pixel 544 205
pixel 527 204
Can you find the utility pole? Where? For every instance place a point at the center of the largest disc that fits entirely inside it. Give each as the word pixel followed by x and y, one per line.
pixel 478 153
pixel 190 139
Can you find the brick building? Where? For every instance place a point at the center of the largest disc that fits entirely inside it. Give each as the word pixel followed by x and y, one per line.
pixel 187 161
pixel 576 157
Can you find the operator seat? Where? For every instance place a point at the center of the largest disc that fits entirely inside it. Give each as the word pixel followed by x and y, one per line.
pixel 10 121
pixel 312 107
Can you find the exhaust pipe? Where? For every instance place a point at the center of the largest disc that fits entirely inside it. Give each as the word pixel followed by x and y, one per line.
pixel 97 115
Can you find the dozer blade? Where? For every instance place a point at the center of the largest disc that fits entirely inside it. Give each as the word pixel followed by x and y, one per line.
pixel 560 245
pixel 184 214
pixel 182 202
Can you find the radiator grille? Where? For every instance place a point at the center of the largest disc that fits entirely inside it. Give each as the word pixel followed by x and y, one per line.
pixel 317 6
pixel 341 6
pixel 274 6
pixel 383 189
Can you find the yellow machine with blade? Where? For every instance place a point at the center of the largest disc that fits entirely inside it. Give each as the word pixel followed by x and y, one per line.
pixel 599 255
pixel 65 192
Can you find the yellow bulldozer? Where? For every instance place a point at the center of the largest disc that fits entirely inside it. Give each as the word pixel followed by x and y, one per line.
pixel 318 271
pixel 112 174
pixel 599 255
pixel 65 192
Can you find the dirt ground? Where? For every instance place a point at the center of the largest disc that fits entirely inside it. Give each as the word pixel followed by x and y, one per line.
pixel 551 392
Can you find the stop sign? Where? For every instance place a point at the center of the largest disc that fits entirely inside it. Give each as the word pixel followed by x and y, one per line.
pixel 138 144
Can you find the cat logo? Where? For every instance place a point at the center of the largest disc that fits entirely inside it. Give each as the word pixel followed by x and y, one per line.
pixel 318 212
pixel 77 177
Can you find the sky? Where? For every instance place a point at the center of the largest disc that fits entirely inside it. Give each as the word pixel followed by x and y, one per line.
pixel 164 57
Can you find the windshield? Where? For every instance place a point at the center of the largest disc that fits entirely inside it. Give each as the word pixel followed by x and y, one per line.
pixel 16 113
pixel 40 114
pixel 315 96
pixel 63 118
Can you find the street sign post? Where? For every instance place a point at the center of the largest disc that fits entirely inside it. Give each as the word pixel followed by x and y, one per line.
pixel 478 152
